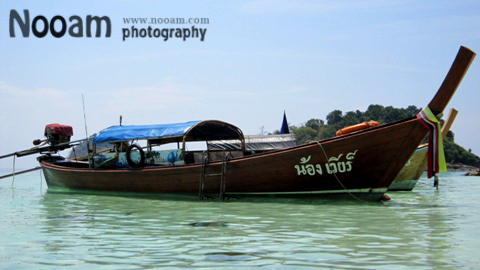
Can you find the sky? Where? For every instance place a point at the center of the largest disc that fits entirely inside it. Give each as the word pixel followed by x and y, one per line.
pixel 257 59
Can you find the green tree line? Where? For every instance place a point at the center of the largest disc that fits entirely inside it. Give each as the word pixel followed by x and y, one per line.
pixel 317 129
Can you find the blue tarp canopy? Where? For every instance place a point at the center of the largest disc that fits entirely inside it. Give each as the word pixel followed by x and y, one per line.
pixel 188 131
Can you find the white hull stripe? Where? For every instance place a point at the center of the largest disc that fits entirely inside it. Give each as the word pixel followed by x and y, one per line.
pixel 339 191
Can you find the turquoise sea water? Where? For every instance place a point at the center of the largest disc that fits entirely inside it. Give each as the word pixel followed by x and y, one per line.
pixel 422 229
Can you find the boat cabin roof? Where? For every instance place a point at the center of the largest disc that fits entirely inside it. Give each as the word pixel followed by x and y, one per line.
pixel 166 133
pixel 256 143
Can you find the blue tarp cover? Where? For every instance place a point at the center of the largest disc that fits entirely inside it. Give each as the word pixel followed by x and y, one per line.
pixel 126 133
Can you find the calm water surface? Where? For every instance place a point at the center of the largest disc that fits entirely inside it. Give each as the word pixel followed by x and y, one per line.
pixel 423 229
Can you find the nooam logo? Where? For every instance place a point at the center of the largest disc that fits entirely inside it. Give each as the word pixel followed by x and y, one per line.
pixel 75 30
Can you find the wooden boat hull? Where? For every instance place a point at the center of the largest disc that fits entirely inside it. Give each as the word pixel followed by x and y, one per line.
pixel 358 164
pixel 362 163
pixel 408 177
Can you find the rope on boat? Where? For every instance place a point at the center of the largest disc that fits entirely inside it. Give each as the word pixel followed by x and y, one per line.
pixel 336 177
pixel 13 174
pixel 41 181
pixel 74 154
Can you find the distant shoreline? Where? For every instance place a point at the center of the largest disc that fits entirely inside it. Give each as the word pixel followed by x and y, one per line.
pixel 460 168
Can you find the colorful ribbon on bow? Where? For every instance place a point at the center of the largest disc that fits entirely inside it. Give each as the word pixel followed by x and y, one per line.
pixel 435 155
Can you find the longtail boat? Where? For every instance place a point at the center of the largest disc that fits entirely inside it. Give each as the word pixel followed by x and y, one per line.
pixel 408 177
pixel 362 164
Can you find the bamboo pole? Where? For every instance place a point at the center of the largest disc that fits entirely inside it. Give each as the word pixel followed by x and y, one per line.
pixel 20 172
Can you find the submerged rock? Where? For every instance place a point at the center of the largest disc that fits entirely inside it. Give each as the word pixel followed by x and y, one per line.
pixel 209 224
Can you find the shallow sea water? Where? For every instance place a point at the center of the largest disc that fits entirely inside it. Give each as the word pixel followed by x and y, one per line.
pixel 422 229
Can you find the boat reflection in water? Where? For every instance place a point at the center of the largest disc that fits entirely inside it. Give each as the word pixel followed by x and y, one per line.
pixel 416 229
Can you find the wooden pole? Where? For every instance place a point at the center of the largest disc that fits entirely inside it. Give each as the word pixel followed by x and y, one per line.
pixel 20 172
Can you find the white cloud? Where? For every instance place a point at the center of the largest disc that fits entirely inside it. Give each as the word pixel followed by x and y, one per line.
pixel 10 93
pixel 166 95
